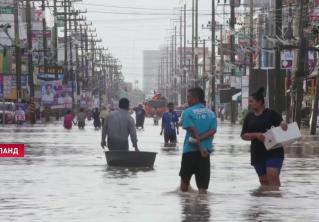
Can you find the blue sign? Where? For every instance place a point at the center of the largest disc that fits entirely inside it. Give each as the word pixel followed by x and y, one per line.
pixel 49 76
pixel 24 81
pixel 1 85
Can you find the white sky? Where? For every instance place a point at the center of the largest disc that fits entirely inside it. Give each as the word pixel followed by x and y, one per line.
pixel 128 27
pixel 127 35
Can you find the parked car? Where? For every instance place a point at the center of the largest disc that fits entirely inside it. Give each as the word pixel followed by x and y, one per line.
pixel 8 109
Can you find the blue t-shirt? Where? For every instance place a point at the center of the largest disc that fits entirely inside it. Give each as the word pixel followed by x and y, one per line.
pixel 203 120
pixel 169 121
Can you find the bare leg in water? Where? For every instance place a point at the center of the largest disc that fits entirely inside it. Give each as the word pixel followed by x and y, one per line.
pixel 271 180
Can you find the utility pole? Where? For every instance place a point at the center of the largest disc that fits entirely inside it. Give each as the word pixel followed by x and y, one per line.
pixel 232 36
pixel 221 50
pixel 204 67
pixel 163 74
pixel 184 87
pixel 17 48
pixel 55 34
pixel 30 62
pixel 71 73
pixel 82 52
pixel 301 66
pixel 279 79
pixel 315 108
pixel 86 54
pixel 44 37
pixel 99 81
pixel 288 72
pixel 184 35
pixel 103 81
pixel 196 44
pixel 29 39
pixel 251 36
pixel 172 67
pixel 175 51
pixel 66 69
pixel 160 77
pixel 167 72
pixel 77 55
pixel 109 88
pixel 181 42
pixel 213 57
pixel 181 56
pixel 106 81
pixel 112 72
pixel 232 56
pixel 193 34
pixel 93 57
pixel 175 66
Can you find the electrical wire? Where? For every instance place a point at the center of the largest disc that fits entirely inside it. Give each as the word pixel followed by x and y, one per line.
pixel 123 7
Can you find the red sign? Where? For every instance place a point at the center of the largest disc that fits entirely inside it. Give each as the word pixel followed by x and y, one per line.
pixel 188 51
pixel 314 12
pixel 39 15
pixel 38 34
pixel 289 2
pixel 11 150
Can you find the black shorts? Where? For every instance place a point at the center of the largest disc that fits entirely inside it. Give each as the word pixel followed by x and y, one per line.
pixel 194 163
pixel 170 137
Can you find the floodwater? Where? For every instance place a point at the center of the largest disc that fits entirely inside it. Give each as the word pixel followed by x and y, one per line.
pixel 64 177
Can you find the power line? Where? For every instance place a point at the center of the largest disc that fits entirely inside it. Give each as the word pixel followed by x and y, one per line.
pixel 122 7
pixel 136 8
pixel 147 14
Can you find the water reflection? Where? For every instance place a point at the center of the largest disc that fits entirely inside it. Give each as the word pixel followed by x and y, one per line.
pixel 65 173
pixel 266 192
pixel 170 152
pixel 195 207
pixel 124 172
pixel 256 212
pixel 260 206
pixel 303 150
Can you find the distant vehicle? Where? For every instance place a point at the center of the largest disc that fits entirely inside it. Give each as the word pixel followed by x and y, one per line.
pixel 155 106
pixel 9 109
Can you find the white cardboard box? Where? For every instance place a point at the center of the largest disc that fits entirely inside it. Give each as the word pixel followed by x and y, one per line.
pixel 277 137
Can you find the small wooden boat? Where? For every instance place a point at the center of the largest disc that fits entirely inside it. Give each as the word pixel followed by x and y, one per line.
pixel 130 158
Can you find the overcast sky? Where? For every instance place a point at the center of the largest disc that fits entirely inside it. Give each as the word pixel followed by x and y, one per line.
pixel 128 27
pixel 127 33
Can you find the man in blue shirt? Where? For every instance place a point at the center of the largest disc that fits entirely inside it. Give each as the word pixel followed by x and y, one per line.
pixel 170 125
pixel 201 125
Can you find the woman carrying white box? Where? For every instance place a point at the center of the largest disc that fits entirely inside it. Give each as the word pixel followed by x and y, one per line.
pixel 267 163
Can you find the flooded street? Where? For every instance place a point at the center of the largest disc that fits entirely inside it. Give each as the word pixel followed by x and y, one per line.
pixel 64 177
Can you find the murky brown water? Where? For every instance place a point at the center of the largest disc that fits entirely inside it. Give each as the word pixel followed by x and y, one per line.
pixel 64 177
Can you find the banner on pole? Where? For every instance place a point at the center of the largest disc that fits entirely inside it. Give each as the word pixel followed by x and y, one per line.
pixel 286 59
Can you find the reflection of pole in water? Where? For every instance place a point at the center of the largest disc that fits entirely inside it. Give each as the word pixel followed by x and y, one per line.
pixel 195 208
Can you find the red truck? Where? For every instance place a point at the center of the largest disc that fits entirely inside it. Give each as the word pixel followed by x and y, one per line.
pixel 155 106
